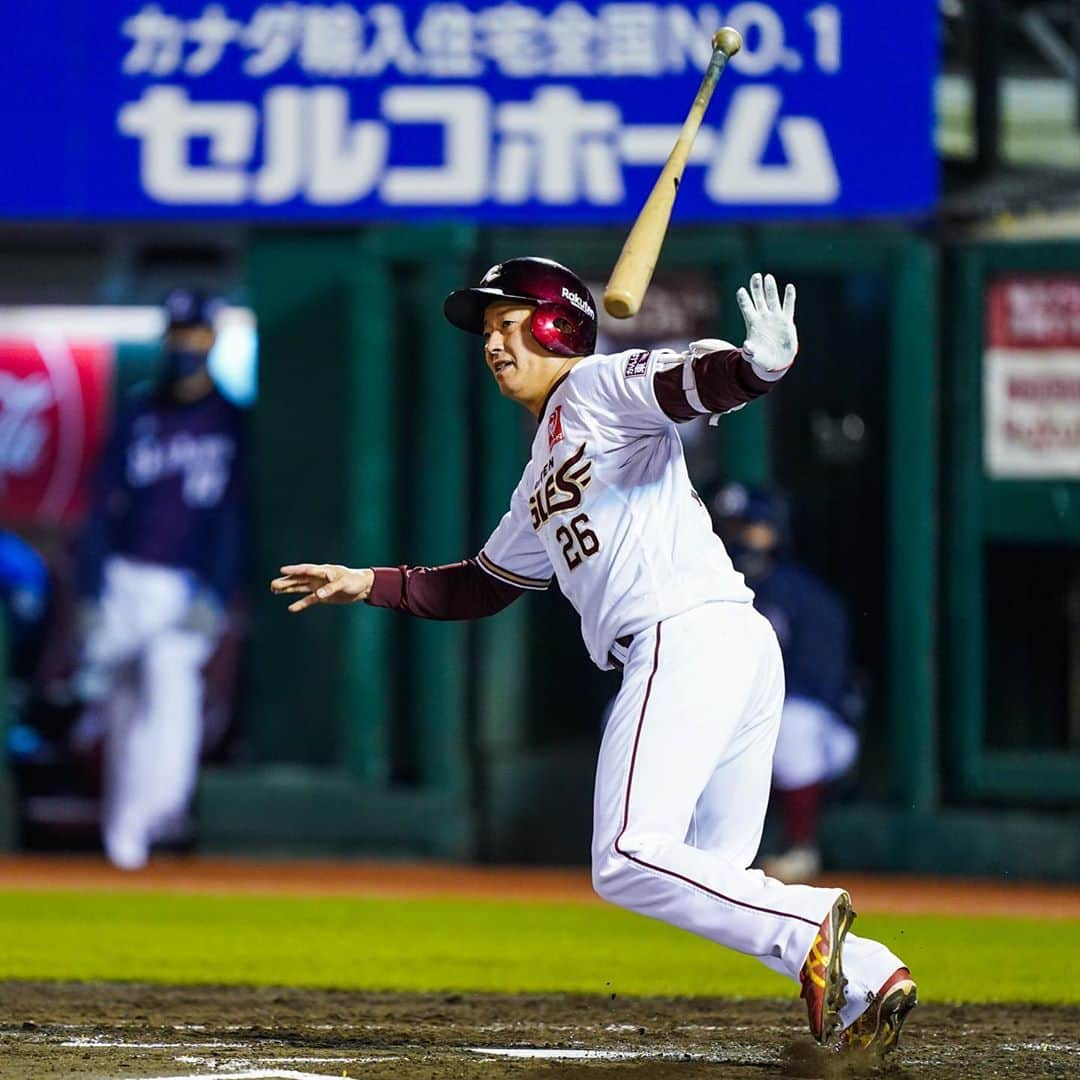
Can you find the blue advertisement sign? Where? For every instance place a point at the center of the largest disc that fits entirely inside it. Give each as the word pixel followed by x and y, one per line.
pixel 533 112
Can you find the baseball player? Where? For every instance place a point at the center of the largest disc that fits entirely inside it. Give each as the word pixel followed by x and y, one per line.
pixel 605 506
pixel 161 558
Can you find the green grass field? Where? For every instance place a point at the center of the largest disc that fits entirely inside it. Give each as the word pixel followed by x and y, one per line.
pixel 488 945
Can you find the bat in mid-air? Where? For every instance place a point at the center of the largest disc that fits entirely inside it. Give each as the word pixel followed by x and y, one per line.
pixel 634 268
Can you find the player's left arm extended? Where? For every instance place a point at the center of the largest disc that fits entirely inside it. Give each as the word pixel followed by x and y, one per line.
pixel 718 377
pixel 455 591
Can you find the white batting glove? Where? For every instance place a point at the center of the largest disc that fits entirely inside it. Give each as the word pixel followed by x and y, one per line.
pixel 771 340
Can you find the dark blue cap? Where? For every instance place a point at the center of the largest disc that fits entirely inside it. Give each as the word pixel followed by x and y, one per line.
pixel 184 307
pixel 754 506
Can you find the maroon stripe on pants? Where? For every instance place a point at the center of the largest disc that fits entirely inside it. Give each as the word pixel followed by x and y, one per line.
pixel 626 814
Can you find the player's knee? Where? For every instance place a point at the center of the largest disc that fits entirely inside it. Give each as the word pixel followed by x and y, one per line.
pixel 607 870
pixel 619 866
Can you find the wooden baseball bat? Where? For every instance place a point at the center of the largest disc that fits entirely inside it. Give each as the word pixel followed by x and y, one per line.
pixel 634 268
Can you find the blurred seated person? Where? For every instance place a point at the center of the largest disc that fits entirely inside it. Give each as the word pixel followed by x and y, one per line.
pixel 817 741
pixel 161 560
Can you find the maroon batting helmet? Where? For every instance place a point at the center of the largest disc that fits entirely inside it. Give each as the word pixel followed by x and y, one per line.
pixel 564 321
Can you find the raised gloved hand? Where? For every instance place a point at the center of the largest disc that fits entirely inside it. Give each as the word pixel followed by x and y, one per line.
pixel 771 341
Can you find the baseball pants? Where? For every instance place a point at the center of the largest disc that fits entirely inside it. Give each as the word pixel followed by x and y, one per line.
pixel 153 709
pixel 814 745
pixel 682 786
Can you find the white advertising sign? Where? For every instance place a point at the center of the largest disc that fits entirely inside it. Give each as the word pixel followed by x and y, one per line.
pixel 1031 378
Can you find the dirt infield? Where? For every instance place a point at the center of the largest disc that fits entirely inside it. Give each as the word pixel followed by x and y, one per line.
pixel 79 1031
pixel 88 1030
pixel 883 895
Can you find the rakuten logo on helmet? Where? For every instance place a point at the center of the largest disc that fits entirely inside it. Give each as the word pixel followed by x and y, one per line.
pixel 578 302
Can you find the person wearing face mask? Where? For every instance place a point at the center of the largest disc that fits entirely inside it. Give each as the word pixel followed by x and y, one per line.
pixel 162 556
pixel 817 741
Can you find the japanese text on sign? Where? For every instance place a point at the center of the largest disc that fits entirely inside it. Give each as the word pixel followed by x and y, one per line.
pixel 451 41
pixel 546 111
pixel 1031 382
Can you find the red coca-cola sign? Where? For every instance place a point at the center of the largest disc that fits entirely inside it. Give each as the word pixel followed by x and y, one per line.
pixel 54 404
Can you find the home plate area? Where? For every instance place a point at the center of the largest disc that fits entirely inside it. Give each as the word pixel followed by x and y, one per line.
pixel 110 1031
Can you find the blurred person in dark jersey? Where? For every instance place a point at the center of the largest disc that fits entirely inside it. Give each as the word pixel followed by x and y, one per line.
pixel 162 557
pixel 817 740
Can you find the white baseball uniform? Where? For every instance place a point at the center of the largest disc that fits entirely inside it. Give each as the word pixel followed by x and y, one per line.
pixel 153 708
pixel 605 505
pixel 162 551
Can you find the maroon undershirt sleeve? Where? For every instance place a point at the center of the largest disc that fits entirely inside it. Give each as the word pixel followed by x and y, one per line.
pixel 724 382
pixel 456 591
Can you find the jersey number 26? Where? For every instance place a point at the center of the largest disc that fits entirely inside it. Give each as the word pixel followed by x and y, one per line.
pixel 578 541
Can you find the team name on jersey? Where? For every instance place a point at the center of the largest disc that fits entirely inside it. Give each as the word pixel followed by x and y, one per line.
pixel 204 462
pixel 560 489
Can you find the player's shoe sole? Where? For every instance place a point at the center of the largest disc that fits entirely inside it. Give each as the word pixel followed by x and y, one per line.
pixel 877 1031
pixel 822 974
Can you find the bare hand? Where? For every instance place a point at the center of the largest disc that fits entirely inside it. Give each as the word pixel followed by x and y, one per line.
pixel 323 583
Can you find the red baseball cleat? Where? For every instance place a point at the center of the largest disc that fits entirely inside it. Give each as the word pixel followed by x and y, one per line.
pixel 822 975
pixel 878 1029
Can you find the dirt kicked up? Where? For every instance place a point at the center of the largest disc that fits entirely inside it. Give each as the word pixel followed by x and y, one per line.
pixel 106 1030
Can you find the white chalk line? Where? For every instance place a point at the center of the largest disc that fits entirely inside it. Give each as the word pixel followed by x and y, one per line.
pixel 102 1042
pixel 1043 1047
pixel 648 1054
pixel 229 1067
pixel 253 1074
pixel 265 1062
